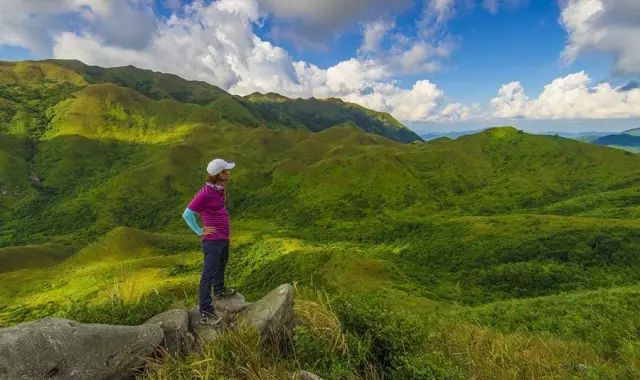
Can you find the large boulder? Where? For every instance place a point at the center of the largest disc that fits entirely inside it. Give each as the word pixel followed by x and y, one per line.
pixel 228 308
pixel 175 325
pixel 273 316
pixel 65 349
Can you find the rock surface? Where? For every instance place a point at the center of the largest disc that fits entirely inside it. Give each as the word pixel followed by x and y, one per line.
pixel 227 307
pixel 305 375
pixel 272 315
pixel 175 325
pixel 230 306
pixel 64 349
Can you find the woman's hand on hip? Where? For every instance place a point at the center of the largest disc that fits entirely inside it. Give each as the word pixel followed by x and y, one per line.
pixel 208 231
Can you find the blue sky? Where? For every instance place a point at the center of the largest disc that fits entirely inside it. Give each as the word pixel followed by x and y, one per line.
pixel 436 65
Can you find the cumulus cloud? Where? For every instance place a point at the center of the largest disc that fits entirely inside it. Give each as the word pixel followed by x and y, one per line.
pixel 510 102
pixel 32 24
pixel 310 22
pixel 611 26
pixel 418 53
pixel 457 112
pixel 422 102
pixel 172 4
pixel 570 97
pixel 372 35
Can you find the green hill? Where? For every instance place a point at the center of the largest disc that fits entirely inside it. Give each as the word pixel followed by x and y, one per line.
pixel 318 115
pixel 499 254
pixel 272 110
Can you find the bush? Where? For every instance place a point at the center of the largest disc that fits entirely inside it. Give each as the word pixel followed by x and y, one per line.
pixel 392 333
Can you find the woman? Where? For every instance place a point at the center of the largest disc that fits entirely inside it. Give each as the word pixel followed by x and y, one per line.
pixel 209 203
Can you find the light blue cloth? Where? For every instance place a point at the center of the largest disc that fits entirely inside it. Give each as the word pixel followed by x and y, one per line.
pixel 190 216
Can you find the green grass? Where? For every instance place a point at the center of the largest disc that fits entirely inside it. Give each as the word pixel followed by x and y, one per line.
pixel 35 256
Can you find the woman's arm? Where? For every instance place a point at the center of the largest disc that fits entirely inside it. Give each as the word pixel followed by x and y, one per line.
pixel 190 217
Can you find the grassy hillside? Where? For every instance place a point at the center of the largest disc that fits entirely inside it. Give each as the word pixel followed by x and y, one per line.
pixel 271 110
pixel 318 115
pixel 499 254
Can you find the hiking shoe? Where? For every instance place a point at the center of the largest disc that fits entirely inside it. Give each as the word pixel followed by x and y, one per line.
pixel 226 292
pixel 211 319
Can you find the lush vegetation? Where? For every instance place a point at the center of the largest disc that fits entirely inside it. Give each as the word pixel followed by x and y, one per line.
pixel 495 255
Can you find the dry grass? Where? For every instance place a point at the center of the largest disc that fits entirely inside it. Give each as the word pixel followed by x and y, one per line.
pixel 314 309
pixel 486 354
pixel 235 355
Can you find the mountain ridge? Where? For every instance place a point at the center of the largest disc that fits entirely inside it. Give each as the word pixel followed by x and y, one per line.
pixel 159 86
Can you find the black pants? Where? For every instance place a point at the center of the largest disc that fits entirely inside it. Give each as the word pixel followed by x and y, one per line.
pixel 216 255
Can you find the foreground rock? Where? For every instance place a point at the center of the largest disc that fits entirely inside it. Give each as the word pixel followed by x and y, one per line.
pixel 227 307
pixel 305 375
pixel 273 316
pixel 65 349
pixel 175 325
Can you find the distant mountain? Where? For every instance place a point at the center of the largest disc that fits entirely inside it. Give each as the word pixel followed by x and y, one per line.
pixel 582 136
pixel 273 110
pixel 318 115
pixel 632 132
pixel 627 140
pixel 622 139
pixel 451 135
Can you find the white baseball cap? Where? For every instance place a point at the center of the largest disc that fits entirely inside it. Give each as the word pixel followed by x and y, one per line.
pixel 217 165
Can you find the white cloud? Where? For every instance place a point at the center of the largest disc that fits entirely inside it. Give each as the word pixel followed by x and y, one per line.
pixel 456 112
pixel 411 54
pixel 417 103
pixel 31 24
pixel 172 4
pixel 611 26
pixel 510 102
pixel 570 97
pixel 437 12
pixel 311 22
pixel 373 34
pixel 212 42
pixel 422 102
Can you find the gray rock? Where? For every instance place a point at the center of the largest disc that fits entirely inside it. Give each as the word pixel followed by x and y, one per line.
pixel 175 325
pixel 305 375
pixel 64 349
pixel 273 316
pixel 203 333
pixel 228 308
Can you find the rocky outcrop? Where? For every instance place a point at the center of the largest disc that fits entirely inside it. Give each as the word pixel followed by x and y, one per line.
pixel 228 308
pixel 178 338
pixel 64 349
pixel 272 315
